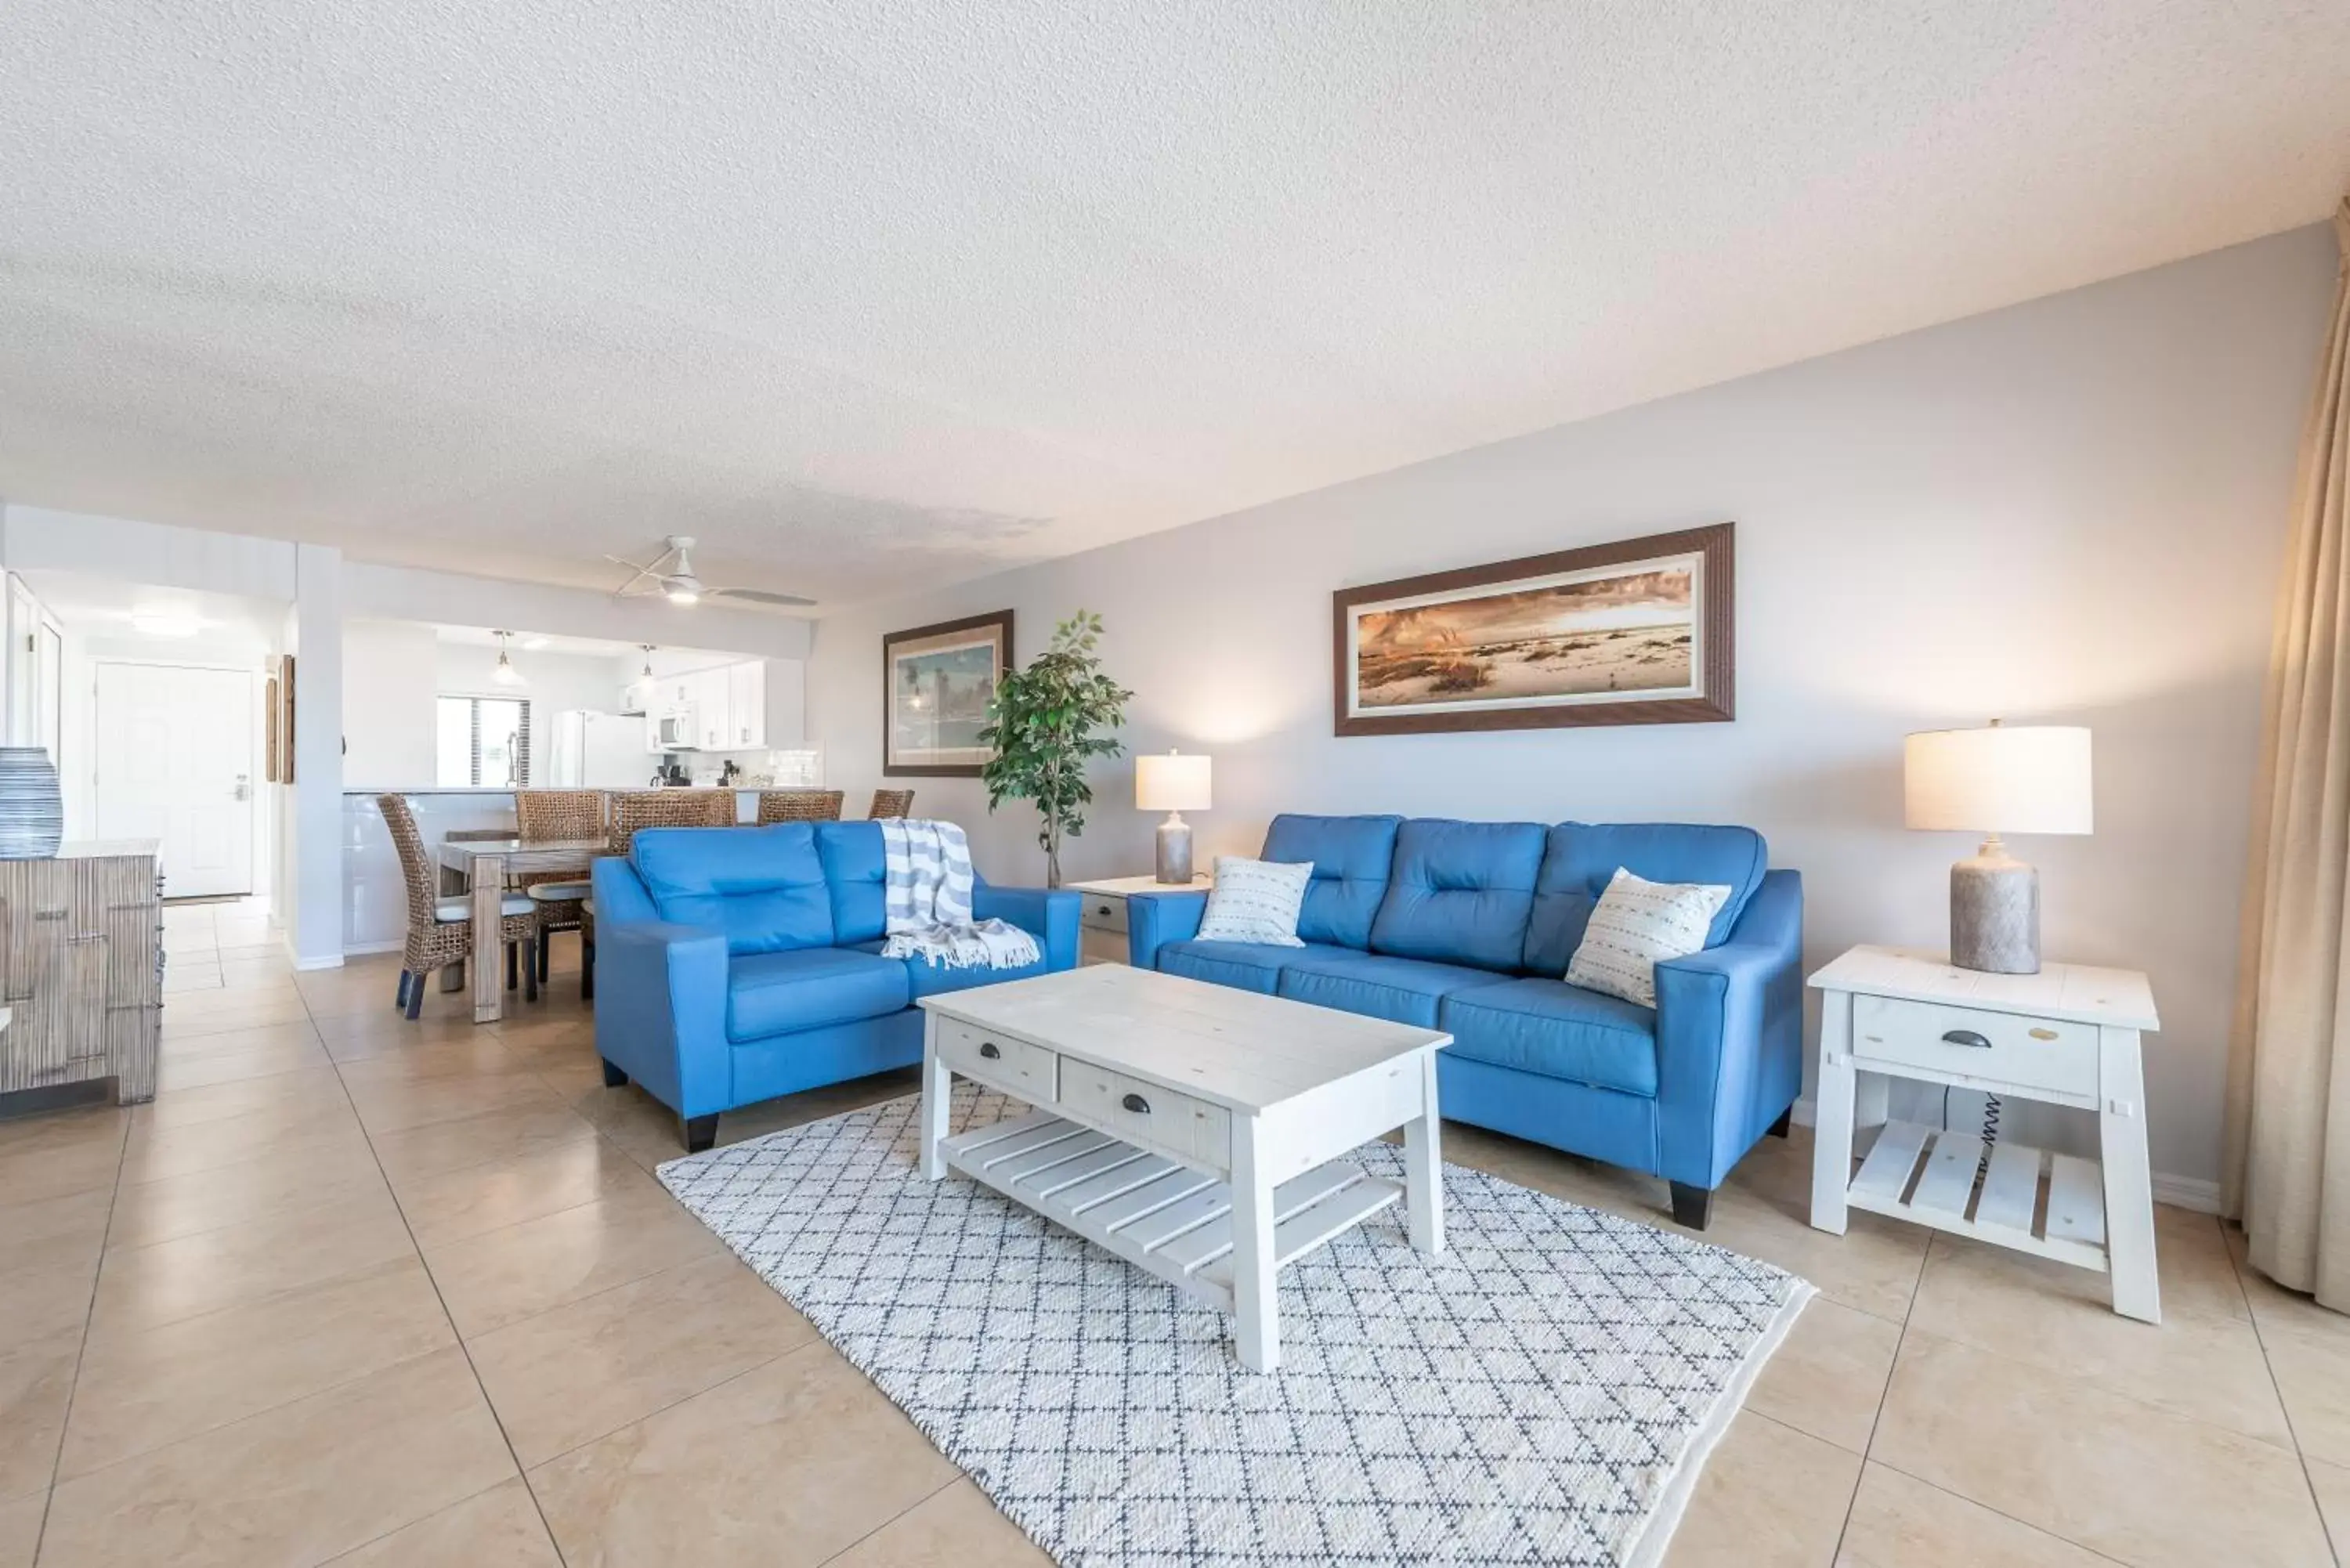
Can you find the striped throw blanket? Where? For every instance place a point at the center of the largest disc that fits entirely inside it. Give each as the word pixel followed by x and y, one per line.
pixel 925 902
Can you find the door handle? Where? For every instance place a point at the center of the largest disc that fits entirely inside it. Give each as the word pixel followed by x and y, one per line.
pixel 1136 1104
pixel 244 786
pixel 1966 1037
pixel 987 1049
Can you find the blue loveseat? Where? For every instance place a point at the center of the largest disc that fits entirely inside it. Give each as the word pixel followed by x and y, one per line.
pixel 1468 926
pixel 735 964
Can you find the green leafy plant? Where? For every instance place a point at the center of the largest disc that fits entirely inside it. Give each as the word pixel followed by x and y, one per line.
pixel 1046 724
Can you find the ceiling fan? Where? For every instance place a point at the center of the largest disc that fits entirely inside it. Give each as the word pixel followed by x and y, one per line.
pixel 671 574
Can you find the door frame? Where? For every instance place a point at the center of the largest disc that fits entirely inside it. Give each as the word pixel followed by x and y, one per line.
pixel 264 804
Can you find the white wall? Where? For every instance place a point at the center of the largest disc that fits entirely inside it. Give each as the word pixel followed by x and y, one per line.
pixel 2072 509
pixel 390 677
pixel 553 681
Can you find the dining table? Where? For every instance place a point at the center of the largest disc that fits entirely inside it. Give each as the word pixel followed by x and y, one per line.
pixel 485 863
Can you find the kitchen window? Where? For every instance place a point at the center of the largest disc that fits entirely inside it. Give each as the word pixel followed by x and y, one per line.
pixel 483 741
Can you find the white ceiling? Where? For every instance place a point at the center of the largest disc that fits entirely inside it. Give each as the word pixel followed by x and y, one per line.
pixel 874 295
pixel 113 608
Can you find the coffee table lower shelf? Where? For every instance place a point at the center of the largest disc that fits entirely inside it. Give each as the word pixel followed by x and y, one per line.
pixel 1152 1212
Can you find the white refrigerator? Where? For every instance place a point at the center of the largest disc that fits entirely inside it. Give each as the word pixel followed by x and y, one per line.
pixel 599 751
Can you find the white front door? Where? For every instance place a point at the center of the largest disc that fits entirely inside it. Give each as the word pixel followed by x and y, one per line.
pixel 175 762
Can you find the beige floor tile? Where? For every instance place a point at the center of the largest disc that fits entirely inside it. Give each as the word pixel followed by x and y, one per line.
pixel 1873 1268
pixel 257 973
pixel 479 1056
pixel 76 1130
pixel 2100 1470
pixel 645 1130
pixel 20 1529
pixel 2331 1483
pixel 312 1090
pixel 2312 1367
pixel 572 1374
pixel 53 1233
pixel 168 1151
pixel 29 1174
pixel 260 1037
pixel 1770 1497
pixel 189 973
pixel 1828 1376
pixel 498 1529
pixel 954 1527
pixel 353 1037
pixel 152 1285
pixel 37 1303
pixel 787 1464
pixel 142 1387
pixel 190 1015
pixel 232 1066
pixel 504 1276
pixel 1898 1522
pixel 37 1382
pixel 579 1085
pixel 480 1139
pixel 2201 1361
pixel 460 1203
pixel 397 1106
pixel 374 1455
pixel 151 1212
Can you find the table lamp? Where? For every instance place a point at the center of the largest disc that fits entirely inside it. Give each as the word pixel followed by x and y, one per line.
pixel 2032 778
pixel 1173 784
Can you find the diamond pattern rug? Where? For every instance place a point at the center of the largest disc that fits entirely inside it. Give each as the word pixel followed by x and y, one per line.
pixel 1542 1392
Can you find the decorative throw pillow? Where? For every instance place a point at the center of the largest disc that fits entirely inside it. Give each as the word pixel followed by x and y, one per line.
pixel 1255 901
pixel 1637 926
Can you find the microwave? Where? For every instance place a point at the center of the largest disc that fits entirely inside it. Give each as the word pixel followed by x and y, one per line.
pixel 680 729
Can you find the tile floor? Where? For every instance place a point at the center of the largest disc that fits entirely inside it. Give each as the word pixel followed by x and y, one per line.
pixel 363 1291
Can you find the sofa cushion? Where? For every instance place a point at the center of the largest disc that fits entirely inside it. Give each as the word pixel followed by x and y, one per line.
pixel 807 988
pixel 1405 991
pixel 1580 857
pixel 1244 966
pixel 1554 1029
pixel 1351 857
pixel 763 887
pixel 1461 892
pixel 851 854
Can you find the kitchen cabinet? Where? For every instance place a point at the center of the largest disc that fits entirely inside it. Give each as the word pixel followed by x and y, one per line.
pixel 728 702
pixel 746 705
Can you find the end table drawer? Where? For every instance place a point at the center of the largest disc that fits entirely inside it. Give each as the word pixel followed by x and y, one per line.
pixel 1160 1118
pixel 1103 913
pixel 2013 1048
pixel 1013 1065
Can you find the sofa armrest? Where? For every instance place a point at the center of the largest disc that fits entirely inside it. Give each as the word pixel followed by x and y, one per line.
pixel 1154 919
pixel 1729 1037
pixel 660 997
pixel 1048 914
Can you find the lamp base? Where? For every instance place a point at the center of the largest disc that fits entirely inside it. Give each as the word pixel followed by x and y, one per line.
pixel 1175 850
pixel 1995 913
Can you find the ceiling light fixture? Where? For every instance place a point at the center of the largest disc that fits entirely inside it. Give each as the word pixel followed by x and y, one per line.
pixel 165 623
pixel 506 674
pixel 648 648
pixel 534 644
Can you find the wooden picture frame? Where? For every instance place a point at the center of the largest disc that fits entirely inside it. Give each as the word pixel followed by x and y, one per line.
pixel 933 701
pixel 270 768
pixel 285 729
pixel 1634 632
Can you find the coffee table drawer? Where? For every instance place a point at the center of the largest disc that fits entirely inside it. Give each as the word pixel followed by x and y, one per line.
pixel 1013 1065
pixel 1163 1120
pixel 2032 1052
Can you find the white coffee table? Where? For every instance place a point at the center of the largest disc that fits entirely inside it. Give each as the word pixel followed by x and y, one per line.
pixel 1193 1130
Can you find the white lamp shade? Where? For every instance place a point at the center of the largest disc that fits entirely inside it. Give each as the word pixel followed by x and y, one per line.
pixel 2034 778
pixel 1176 782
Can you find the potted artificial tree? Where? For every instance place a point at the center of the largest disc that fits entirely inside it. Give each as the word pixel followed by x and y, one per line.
pixel 1046 724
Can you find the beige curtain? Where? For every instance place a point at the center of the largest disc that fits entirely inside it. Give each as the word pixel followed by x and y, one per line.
pixel 2286 1173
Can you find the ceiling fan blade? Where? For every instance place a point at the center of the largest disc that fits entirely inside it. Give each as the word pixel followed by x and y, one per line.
pixel 756 596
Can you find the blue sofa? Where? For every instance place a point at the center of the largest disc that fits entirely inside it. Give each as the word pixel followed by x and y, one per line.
pixel 735 964
pixel 1468 926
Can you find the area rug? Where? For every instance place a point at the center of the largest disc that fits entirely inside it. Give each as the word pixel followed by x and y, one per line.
pixel 1545 1391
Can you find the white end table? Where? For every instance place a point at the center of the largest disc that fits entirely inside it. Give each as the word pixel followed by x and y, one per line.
pixel 2066 1036
pixel 1102 922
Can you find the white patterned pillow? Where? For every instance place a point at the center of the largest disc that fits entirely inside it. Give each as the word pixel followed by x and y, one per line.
pixel 1255 901
pixel 1638 925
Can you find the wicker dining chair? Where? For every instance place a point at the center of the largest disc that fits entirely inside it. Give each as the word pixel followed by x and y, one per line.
pixel 560 897
pixel 800 806
pixel 440 931
pixel 892 803
pixel 634 810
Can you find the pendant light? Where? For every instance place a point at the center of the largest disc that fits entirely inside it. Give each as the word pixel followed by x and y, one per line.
pixel 506 674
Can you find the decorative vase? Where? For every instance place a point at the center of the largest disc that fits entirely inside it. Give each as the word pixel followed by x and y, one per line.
pixel 31 812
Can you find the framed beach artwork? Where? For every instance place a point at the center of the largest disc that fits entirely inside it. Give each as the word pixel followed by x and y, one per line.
pixel 1634 632
pixel 936 683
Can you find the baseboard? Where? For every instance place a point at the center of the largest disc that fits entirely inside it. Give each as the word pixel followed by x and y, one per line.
pixel 366 949
pixel 332 961
pixel 2189 1193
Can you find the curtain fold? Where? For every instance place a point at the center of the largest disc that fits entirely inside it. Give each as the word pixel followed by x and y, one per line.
pixel 2286 1166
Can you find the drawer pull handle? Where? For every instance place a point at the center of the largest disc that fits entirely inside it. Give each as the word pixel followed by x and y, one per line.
pixel 987 1049
pixel 1136 1104
pixel 1966 1037
pixel 2044 1034
pixel 1102 909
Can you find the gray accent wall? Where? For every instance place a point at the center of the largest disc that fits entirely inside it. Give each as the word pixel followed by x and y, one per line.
pixel 2071 510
